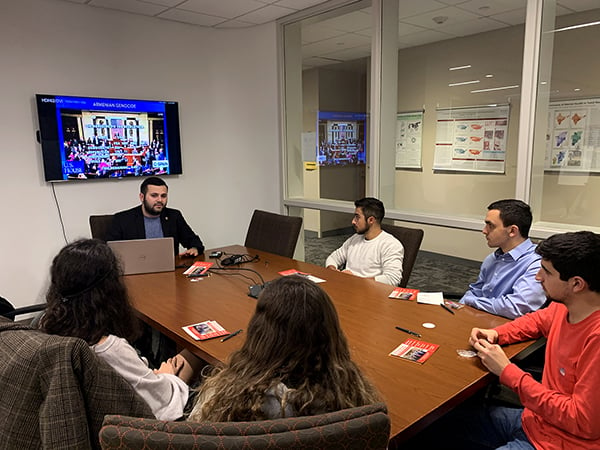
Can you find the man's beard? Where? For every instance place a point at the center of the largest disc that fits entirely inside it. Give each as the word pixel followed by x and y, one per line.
pixel 150 208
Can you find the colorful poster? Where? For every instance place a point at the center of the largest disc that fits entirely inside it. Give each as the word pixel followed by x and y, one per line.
pixel 409 130
pixel 472 139
pixel 573 136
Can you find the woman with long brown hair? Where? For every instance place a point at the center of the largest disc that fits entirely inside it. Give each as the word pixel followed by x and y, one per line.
pixel 294 362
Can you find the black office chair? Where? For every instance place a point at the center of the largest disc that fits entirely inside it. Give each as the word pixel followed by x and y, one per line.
pixel 273 233
pixel 10 312
pixel 99 226
pixel 411 239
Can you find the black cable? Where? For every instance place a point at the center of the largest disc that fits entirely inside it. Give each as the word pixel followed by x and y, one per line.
pixel 62 224
pixel 229 269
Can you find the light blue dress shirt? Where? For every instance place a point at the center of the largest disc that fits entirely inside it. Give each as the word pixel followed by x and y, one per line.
pixel 506 285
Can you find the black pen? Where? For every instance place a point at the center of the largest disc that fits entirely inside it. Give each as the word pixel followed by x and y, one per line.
pixel 408 331
pixel 446 308
pixel 229 336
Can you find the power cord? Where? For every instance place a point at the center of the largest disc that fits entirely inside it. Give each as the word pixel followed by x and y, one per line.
pixel 62 224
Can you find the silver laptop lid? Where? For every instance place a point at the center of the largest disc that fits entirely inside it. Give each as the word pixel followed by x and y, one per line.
pixel 145 255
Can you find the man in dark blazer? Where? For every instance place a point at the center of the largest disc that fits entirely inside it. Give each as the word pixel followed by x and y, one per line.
pixel 152 219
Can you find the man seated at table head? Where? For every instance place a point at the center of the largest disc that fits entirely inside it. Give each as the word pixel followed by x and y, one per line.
pixel 152 219
pixel 506 285
pixel 371 252
pixel 563 411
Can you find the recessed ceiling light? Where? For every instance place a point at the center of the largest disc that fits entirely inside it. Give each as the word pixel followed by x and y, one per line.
pixel 495 89
pixel 576 89
pixel 467 66
pixel 574 27
pixel 544 82
pixel 463 83
pixel 489 75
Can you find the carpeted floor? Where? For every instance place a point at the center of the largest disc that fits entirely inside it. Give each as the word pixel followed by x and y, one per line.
pixel 432 272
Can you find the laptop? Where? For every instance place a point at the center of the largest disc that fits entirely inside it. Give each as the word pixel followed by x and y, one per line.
pixel 145 255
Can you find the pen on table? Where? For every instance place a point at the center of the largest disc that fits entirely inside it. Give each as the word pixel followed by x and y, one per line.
pixel 408 331
pixel 446 308
pixel 229 336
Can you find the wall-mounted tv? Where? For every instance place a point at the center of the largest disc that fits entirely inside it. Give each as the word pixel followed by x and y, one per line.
pixel 342 138
pixel 88 137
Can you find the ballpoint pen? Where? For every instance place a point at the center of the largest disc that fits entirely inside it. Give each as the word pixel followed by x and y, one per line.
pixel 408 331
pixel 229 336
pixel 446 308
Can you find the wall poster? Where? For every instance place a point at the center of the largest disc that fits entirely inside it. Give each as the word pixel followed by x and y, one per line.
pixel 471 139
pixel 573 136
pixel 409 130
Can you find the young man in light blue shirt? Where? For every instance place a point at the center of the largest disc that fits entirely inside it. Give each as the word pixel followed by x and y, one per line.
pixel 506 285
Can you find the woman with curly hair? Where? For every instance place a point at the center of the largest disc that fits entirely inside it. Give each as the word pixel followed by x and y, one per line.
pixel 295 362
pixel 88 299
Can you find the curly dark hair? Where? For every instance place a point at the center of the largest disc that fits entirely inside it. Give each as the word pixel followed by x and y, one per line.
pixel 87 297
pixel 293 338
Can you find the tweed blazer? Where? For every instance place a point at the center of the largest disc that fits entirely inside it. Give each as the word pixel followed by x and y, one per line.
pixel 55 392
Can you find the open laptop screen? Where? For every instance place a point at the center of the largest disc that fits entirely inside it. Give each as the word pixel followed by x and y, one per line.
pixel 145 255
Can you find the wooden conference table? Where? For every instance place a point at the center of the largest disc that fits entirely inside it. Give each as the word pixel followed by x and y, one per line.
pixel 415 394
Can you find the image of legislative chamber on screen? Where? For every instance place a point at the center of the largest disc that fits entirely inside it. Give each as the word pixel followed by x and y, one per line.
pixel 103 145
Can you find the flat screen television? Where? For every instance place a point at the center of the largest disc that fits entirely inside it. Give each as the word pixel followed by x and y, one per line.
pixel 86 138
pixel 342 138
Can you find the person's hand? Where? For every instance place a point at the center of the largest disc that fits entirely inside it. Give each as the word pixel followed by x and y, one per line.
pixel 190 252
pixel 492 356
pixel 171 365
pixel 331 267
pixel 479 333
pixel 347 271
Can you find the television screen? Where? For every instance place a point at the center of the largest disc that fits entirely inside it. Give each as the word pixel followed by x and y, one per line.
pixel 86 138
pixel 341 138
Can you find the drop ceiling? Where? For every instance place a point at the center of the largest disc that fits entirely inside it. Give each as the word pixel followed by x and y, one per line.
pixel 346 37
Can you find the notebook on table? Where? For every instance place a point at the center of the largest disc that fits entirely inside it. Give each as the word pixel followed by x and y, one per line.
pixel 145 255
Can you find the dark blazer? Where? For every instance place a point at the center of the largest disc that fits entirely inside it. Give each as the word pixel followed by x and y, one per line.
pixel 55 391
pixel 129 224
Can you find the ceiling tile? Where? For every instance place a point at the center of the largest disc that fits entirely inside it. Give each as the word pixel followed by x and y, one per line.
pixel 353 21
pixel 453 14
pixel 229 9
pixel 479 25
pixel 235 23
pixel 580 5
pixel 490 7
pixel 407 28
pixel 514 17
pixel 318 32
pixel 267 14
pixel 132 6
pixel 350 54
pixel 422 37
pixel 297 4
pixel 347 40
pixel 193 18
pixel 170 3
pixel 415 7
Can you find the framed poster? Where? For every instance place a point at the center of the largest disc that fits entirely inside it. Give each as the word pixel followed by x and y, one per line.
pixel 472 139
pixel 409 132
pixel 573 136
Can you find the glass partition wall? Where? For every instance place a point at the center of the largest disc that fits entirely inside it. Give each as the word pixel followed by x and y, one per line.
pixel 439 107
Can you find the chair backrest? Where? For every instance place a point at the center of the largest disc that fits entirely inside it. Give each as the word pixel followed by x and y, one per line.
pixel 99 226
pixel 365 427
pixel 273 233
pixel 55 391
pixel 411 239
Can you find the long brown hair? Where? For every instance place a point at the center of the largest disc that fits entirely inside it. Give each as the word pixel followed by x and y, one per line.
pixel 87 297
pixel 293 338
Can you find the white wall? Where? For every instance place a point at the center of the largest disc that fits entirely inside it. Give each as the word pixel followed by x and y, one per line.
pixel 225 81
